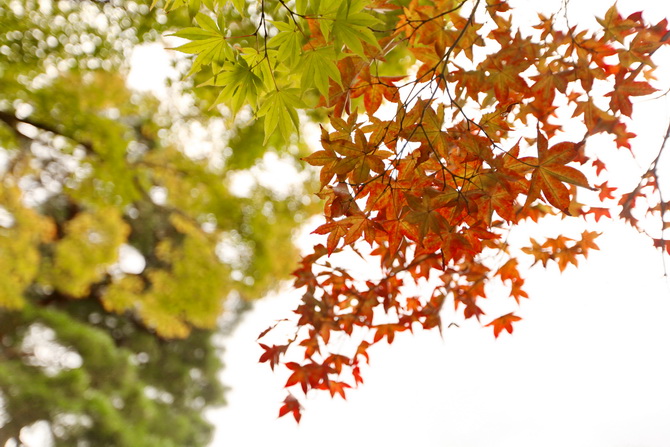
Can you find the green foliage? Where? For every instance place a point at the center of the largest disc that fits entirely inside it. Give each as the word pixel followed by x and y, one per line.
pixel 260 57
pixel 90 242
pixel 130 390
pixel 318 67
pixel 240 85
pixel 208 42
pixel 288 42
pixel 279 112
pixel 351 27
pixel 121 240
pixel 19 248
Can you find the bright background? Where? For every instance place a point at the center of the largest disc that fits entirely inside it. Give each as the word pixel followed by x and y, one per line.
pixel 588 365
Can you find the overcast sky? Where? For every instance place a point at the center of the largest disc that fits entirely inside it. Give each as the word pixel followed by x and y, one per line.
pixel 588 365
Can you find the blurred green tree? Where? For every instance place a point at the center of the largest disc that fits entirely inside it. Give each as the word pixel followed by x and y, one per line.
pixel 122 234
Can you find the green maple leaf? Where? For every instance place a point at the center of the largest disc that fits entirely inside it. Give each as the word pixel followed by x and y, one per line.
pixel 208 42
pixel 279 111
pixel 352 26
pixel 288 42
pixel 260 63
pixel 240 85
pixel 317 66
pixel 240 5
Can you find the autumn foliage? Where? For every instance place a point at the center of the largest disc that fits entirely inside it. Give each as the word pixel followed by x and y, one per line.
pixel 432 162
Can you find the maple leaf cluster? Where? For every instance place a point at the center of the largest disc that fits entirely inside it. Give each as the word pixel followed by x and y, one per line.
pixel 434 189
pixel 443 160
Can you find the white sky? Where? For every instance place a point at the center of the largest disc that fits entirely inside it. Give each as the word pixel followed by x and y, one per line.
pixel 587 366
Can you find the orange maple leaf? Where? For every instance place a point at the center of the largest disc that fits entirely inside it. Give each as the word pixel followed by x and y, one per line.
pixel 551 173
pixel 624 88
pixel 504 322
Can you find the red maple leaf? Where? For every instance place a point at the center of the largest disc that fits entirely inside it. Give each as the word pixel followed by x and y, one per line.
pixel 504 322
pixel 291 405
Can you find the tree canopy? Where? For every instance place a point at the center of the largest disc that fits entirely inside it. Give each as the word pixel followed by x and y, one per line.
pixel 444 125
pixel 448 124
pixel 122 235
